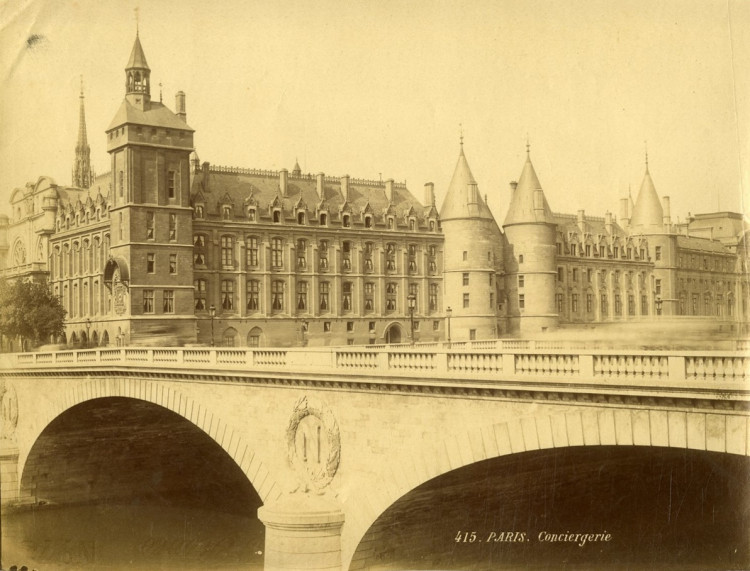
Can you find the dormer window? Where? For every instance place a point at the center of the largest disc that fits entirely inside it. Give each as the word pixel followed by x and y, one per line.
pixel 412 224
pixel 251 214
pixel 276 216
pixel 199 211
pixel 300 218
pixel 226 211
pixel 432 225
pixel 368 221
pixel 390 223
pixel 346 221
pixel 323 219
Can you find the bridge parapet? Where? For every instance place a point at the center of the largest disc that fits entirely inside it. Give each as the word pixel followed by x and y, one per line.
pixel 526 363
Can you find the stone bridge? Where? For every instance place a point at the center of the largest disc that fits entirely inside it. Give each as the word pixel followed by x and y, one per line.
pixel 331 437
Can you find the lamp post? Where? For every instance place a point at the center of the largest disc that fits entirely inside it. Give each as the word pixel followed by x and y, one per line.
pixel 412 304
pixel 88 334
pixel 212 313
pixel 658 305
pixel 448 313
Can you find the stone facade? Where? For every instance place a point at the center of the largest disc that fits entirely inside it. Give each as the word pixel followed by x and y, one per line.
pixel 167 250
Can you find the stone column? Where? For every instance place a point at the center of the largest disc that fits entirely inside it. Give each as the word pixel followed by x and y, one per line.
pixel 303 531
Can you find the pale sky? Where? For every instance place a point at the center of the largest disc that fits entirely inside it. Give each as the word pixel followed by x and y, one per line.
pixel 380 88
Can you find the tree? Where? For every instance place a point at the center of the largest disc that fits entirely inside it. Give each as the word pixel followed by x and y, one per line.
pixel 30 310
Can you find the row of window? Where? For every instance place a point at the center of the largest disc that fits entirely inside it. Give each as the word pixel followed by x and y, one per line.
pixel 586 275
pixel 171 179
pixel 167 300
pixel 698 262
pixel 253 246
pixel 151 263
pixel 80 258
pixel 301 300
pixel 601 251
pixel 302 218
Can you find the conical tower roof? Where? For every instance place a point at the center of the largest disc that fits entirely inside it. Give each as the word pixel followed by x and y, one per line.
pixel 137 57
pixel 463 199
pixel 528 203
pixel 648 213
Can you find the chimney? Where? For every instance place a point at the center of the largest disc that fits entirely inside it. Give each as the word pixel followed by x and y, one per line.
pixel 667 211
pixel 283 179
pixel 320 187
pixel 513 186
pixel 624 214
pixel 179 105
pixel 582 221
pixel 345 187
pixel 389 189
pixel 608 222
pixel 429 194
pixel 206 166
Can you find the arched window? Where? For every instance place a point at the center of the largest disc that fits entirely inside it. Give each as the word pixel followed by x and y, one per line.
pixel 368 221
pixel 229 337
pixel 276 216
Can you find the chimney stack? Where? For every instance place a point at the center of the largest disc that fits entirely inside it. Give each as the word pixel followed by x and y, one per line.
pixel 624 211
pixel 429 194
pixel 179 105
pixel 345 187
pixel 320 186
pixel 389 189
pixel 582 221
pixel 283 182
pixel 608 222
pixel 667 211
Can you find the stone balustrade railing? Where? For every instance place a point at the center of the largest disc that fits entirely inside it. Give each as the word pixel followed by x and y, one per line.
pixel 523 362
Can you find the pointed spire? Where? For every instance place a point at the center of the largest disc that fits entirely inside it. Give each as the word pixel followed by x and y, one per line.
pixel 528 203
pixel 137 58
pixel 296 171
pixel 462 200
pixel 648 214
pixel 82 172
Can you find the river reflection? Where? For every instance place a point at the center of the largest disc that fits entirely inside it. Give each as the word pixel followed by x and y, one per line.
pixel 131 537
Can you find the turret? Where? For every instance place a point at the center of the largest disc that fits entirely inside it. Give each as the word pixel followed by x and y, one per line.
pixel 473 257
pixel 648 214
pixel 531 257
pixel 138 77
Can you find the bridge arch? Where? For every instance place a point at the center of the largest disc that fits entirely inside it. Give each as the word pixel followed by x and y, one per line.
pixel 709 432
pixel 224 435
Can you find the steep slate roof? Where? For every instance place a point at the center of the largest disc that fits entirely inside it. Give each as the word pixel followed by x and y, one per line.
pixel 521 209
pixel 137 57
pixel 648 214
pixel 157 115
pixel 243 186
pixel 456 203
pixel 702 244
pixel 594 225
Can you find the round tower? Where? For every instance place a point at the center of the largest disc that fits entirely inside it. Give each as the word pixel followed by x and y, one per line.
pixel 472 258
pixel 531 256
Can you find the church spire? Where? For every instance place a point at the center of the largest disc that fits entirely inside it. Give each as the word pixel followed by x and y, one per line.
pixel 82 174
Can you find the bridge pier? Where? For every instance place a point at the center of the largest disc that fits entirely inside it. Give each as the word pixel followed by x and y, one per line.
pixel 303 531
pixel 9 484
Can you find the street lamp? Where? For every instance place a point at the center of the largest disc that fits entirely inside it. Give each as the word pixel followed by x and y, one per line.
pixel 658 305
pixel 88 329
pixel 412 304
pixel 448 313
pixel 212 313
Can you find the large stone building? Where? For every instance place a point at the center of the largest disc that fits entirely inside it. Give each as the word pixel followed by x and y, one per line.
pixel 164 250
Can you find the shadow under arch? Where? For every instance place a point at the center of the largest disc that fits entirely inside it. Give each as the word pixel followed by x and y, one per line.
pixel 188 409
pixel 678 430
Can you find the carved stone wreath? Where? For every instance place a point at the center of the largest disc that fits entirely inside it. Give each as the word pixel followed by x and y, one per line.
pixel 313 443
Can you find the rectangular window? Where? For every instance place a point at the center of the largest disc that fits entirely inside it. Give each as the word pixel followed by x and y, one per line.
pixel 588 249
pixel 199 289
pixel 277 295
pixel 644 305
pixel 560 274
pixel 326 327
pixel 323 255
pixel 172 227
pixel 573 249
pixel 170 183
pixel 227 252
pixel 199 250
pixel 367 257
pixel 369 296
pixel 390 257
pixel 560 302
pixel 616 252
pixel 466 279
pixel 346 296
pixel 618 304
pixel 350 326
pixel 436 326
pixel 472 334
pixel 588 276
pixel 391 290
pixel 412 258
pixel 121 182
pixel 604 305
pixel 575 274
pixel 149 225
pixel 168 299
pixel 657 285
pixel 631 304
pixel 277 253
pixel 301 254
pixel 148 301
pixel 589 302
pixel 251 254
pixel 574 303
pixel 346 251
pixel 302 296
pixel 521 301
pixel 657 253
pixel 253 295
pixel 324 289
pixel 172 263
pixel 521 280
pixel 433 297
pixel 466 300
pixel 227 295
pixel 150 264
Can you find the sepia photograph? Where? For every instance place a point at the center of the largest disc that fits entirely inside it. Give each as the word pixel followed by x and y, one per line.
pixel 441 285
